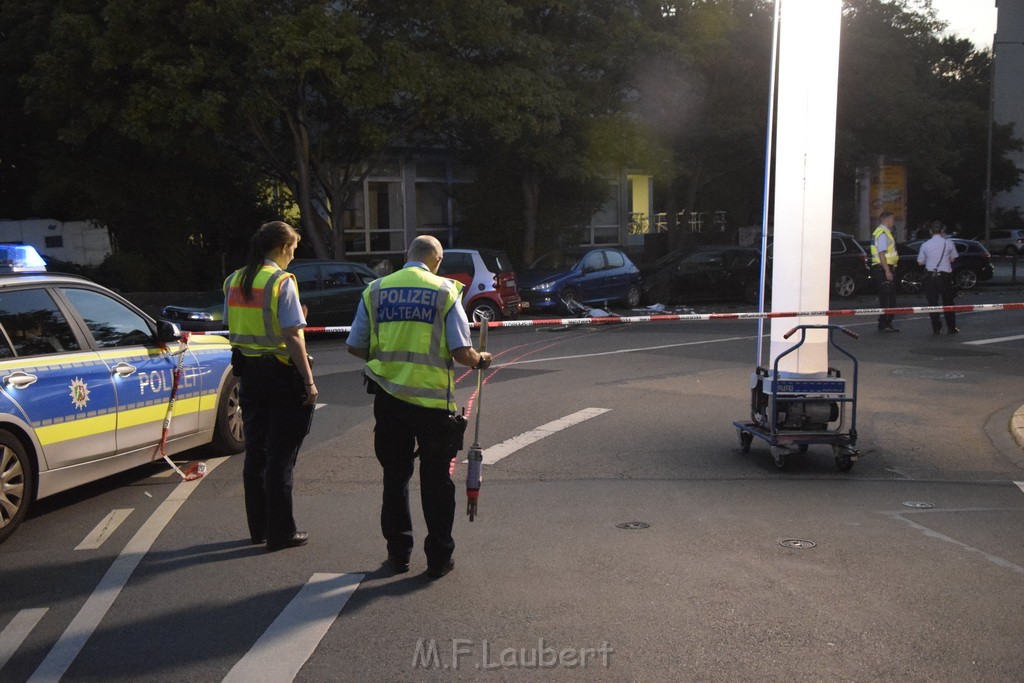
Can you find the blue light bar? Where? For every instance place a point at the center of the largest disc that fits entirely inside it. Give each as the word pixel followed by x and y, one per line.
pixel 20 258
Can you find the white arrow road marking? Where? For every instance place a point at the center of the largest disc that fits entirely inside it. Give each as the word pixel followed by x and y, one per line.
pixel 288 642
pixel 510 446
pixel 104 529
pixel 96 606
pixel 17 631
pixel 1020 485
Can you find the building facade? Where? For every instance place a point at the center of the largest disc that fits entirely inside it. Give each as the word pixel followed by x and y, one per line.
pixel 406 198
pixel 1007 90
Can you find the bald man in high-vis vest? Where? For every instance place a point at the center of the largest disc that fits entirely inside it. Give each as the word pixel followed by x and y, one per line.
pixel 409 328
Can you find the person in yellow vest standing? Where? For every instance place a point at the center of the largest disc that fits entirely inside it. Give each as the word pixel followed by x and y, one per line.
pixel 409 328
pixel 277 393
pixel 883 264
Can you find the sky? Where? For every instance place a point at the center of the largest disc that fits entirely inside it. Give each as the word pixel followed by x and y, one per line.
pixel 971 19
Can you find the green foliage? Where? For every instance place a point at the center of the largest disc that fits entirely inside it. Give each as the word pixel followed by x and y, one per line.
pixel 908 93
pixel 164 118
pixel 1008 219
pixel 705 96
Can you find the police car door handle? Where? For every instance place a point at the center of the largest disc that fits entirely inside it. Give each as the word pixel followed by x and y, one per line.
pixel 124 369
pixel 19 379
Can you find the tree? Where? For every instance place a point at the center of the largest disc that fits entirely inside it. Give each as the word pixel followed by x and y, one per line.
pixel 706 98
pixel 907 92
pixel 315 92
pixel 558 139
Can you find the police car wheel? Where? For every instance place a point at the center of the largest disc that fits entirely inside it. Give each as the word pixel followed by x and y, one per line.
pixel 17 483
pixel 228 435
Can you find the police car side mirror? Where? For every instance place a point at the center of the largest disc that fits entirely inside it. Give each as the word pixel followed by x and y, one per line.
pixel 167 332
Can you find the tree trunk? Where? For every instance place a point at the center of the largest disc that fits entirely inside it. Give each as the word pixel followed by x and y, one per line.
pixel 531 200
pixel 300 138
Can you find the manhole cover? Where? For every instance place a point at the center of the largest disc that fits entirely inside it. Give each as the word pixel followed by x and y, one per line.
pixel 798 543
pixel 919 504
pixel 926 373
pixel 633 525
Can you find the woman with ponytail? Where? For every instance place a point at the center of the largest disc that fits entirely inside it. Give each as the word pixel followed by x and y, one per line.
pixel 278 394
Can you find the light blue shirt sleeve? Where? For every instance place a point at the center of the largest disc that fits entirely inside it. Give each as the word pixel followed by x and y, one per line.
pixel 289 310
pixel 359 335
pixel 456 327
pixel 882 243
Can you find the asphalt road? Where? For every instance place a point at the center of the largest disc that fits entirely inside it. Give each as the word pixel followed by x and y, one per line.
pixel 909 566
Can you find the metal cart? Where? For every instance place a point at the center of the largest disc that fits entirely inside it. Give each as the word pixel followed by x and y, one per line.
pixel 792 414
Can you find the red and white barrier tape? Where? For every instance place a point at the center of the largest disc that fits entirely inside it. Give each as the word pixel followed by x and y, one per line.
pixel 753 315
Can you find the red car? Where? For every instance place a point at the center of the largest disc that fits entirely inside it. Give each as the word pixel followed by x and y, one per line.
pixel 490 282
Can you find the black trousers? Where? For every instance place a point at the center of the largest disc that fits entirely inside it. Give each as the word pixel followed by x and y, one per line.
pixel 936 286
pixel 275 423
pixel 400 428
pixel 886 294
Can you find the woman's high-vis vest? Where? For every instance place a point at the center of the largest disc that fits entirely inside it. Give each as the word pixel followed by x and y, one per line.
pixel 891 256
pixel 253 325
pixel 409 356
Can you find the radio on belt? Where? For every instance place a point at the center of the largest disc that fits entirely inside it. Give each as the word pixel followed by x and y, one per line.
pixel 793 413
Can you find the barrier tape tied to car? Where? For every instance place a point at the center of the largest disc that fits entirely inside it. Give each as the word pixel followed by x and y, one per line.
pixel 677 317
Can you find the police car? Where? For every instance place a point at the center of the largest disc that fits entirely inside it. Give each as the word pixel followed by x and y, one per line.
pixel 85 383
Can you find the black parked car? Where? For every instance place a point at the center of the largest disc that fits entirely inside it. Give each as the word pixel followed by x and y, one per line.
pixel 851 266
pixel 329 289
pixel 973 264
pixel 702 273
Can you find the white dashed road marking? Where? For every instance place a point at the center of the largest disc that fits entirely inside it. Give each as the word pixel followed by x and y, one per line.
pixel 932 533
pixel 506 448
pixel 96 606
pixel 104 529
pixel 17 631
pixel 288 642
pixel 980 342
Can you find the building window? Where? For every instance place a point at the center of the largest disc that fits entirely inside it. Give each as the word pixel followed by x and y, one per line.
pixel 604 226
pixel 54 241
pixel 375 224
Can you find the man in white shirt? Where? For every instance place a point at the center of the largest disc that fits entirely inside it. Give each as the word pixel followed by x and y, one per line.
pixel 937 256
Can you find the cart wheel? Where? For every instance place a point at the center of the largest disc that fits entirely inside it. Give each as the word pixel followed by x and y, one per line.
pixel 746 438
pixel 843 460
pixel 781 457
pixel 803 448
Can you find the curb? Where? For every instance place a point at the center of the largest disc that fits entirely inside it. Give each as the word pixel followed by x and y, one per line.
pixel 1017 426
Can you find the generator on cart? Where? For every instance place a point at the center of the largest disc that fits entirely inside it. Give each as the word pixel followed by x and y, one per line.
pixel 792 414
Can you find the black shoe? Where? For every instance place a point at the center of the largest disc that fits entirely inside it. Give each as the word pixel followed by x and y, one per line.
pixel 297 539
pixel 439 571
pixel 890 329
pixel 954 330
pixel 936 331
pixel 258 540
pixel 398 565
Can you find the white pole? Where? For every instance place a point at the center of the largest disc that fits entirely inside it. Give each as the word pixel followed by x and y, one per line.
pixel 769 132
pixel 804 168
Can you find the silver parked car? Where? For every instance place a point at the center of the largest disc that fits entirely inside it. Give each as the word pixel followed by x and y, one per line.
pixel 1009 242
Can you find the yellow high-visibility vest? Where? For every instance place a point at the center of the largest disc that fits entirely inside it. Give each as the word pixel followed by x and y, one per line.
pixel 408 355
pixel 891 255
pixel 253 325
